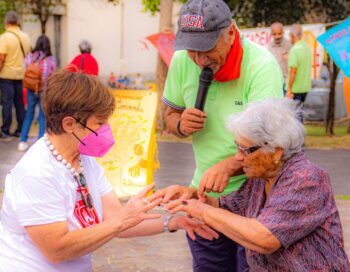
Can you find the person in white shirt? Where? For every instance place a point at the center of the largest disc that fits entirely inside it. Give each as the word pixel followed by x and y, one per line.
pixel 58 206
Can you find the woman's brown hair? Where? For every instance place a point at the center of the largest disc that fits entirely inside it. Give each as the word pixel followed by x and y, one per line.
pixel 75 94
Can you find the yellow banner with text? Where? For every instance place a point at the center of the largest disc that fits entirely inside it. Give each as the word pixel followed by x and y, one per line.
pixel 130 164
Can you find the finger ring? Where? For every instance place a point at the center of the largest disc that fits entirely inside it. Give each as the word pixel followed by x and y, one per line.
pixel 184 202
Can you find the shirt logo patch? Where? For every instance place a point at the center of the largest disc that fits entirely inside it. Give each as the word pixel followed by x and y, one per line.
pixel 86 217
pixel 192 21
pixel 238 103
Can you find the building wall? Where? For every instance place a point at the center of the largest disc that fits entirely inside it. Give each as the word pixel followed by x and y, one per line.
pixel 100 23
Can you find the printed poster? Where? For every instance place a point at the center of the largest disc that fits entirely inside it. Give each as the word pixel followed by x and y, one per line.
pixel 129 164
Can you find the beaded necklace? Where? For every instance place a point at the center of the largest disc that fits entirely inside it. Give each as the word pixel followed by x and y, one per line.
pixel 78 175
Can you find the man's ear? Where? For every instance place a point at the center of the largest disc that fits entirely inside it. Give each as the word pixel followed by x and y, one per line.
pixel 231 33
pixel 68 124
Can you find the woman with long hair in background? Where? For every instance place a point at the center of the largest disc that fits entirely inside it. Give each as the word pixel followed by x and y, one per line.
pixel 41 54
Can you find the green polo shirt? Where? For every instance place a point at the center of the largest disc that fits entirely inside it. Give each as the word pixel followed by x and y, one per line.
pixel 260 77
pixel 300 57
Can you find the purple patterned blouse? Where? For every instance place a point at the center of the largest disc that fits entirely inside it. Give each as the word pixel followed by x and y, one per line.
pixel 300 212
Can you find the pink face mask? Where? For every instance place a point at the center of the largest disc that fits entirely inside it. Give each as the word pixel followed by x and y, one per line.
pixel 97 143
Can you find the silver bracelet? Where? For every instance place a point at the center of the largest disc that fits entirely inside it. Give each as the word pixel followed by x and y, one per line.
pixel 166 223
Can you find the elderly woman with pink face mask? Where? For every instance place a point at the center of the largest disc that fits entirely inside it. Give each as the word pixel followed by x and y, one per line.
pixel 58 206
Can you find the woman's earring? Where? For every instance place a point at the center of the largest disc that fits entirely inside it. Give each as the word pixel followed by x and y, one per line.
pixel 276 162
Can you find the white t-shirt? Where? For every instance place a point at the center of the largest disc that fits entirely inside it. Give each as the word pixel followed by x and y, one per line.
pixel 41 190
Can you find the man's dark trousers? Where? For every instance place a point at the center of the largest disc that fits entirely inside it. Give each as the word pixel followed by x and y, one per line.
pixel 11 94
pixel 219 255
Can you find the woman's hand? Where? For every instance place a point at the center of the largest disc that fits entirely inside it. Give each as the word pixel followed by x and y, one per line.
pixel 173 192
pixel 193 207
pixel 135 211
pixel 192 227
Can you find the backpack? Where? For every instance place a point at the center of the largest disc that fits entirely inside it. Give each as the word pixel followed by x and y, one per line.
pixel 32 79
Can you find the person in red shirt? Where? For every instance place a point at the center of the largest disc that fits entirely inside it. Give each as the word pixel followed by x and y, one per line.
pixel 85 62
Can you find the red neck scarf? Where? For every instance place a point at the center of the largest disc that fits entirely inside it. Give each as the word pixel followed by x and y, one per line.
pixel 231 70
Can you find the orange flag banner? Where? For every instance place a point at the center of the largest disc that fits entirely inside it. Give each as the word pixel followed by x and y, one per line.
pixel 164 42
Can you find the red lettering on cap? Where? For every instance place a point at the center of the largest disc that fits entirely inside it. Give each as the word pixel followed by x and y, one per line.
pixel 183 20
pixel 191 21
pixel 199 23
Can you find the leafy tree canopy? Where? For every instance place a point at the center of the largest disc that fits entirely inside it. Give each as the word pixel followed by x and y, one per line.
pixel 253 13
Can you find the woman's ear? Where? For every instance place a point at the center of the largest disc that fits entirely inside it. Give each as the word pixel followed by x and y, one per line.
pixel 68 124
pixel 278 154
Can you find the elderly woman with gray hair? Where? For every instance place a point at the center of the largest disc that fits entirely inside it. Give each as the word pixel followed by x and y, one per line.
pixel 284 214
pixel 85 61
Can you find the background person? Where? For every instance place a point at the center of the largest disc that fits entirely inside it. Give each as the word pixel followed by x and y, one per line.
pixel 279 47
pixel 299 65
pixel 85 61
pixel 14 45
pixel 42 54
pixel 243 72
pixel 58 206
pixel 285 213
pixel 112 80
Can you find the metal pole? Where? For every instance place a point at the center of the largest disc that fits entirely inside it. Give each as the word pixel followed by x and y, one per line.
pixel 122 60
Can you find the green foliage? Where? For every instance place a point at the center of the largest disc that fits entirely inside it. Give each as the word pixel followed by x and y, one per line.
pixel 254 13
pixel 152 6
pixel 267 12
pixel 5 6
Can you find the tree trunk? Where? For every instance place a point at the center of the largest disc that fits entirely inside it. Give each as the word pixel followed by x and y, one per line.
pixel 43 26
pixel 165 24
pixel 333 73
pixel 57 40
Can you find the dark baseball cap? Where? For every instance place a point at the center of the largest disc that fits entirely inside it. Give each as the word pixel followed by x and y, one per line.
pixel 200 24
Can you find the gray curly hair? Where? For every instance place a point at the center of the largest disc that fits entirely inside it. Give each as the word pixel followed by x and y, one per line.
pixel 85 46
pixel 273 121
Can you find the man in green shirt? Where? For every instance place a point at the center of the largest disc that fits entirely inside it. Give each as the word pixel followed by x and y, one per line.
pixel 299 65
pixel 243 73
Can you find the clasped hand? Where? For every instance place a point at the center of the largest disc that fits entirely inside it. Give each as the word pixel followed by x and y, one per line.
pixel 175 197
pixel 192 120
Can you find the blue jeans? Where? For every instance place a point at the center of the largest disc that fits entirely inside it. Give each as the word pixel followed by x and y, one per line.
pixel 220 255
pixel 32 101
pixel 300 98
pixel 11 94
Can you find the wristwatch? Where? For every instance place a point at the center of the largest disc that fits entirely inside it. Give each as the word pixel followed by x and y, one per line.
pixel 166 221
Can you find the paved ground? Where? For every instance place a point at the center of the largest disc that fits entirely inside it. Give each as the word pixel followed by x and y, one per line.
pixel 169 252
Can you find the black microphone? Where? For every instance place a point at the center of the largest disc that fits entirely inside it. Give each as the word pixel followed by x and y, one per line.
pixel 205 79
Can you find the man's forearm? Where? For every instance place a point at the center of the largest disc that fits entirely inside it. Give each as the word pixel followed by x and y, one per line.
pixel 173 121
pixel 234 167
pixel 291 78
pixel 2 61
